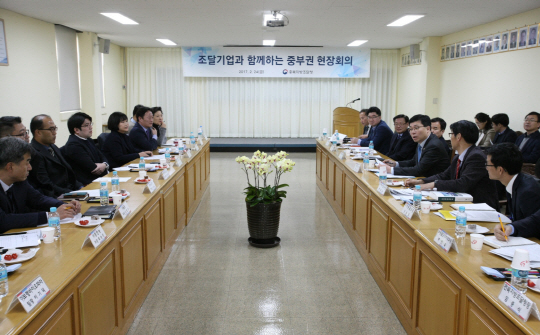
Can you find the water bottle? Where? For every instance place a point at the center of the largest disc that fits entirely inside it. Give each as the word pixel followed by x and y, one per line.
pixel 383 175
pixel 366 161
pixel 371 148
pixel 142 166
pixel 4 289
pixel 168 156
pixel 192 139
pixel 199 134
pixel 103 194
pixel 54 221
pixel 115 182
pixel 417 197
pixel 461 223
pixel 335 138
pixel 519 279
pixel 324 133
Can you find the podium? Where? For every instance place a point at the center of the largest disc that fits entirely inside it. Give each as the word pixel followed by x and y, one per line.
pixel 347 121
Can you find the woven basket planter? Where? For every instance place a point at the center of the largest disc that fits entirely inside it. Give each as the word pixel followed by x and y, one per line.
pixel 263 221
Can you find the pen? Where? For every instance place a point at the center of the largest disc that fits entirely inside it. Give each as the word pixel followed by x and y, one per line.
pixel 502 226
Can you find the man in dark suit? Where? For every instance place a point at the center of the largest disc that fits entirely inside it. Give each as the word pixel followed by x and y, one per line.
pixel 12 126
pixel 17 197
pixel 51 174
pixel 504 162
pixel 467 173
pixel 80 151
pixel 430 157
pixel 529 143
pixel 143 136
pixel 365 122
pixel 438 126
pixel 503 134
pixel 380 133
pixel 402 146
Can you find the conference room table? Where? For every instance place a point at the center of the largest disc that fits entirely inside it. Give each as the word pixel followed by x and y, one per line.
pixel 99 290
pixel 431 291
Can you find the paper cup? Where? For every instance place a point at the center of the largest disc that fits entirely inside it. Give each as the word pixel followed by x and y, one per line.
pixel 521 260
pixel 142 174
pixel 477 240
pixel 47 234
pixel 162 161
pixel 425 206
pixel 371 163
pixel 117 199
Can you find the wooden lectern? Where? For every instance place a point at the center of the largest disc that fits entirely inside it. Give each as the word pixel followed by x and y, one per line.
pixel 347 121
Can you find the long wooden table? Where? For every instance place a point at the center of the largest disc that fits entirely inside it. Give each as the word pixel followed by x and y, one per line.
pixel 431 292
pixel 98 291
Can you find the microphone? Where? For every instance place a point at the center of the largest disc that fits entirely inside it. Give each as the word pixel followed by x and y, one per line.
pixel 355 100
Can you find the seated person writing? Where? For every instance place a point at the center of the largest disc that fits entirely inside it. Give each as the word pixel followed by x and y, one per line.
pixel 529 143
pixel 80 151
pixel 17 196
pixel 402 146
pixel 430 157
pixel 503 163
pixel 12 126
pixel 467 173
pixel 143 136
pixel 117 148
pixel 380 133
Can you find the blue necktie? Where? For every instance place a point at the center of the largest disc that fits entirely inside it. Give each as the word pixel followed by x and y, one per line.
pixel 419 152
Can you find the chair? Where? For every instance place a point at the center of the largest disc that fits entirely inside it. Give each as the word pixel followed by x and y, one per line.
pixel 528 168
pixel 101 139
pixel 519 133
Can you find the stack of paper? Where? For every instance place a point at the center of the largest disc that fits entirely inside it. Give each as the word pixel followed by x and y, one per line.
pixel 473 207
pixel 108 179
pixel 508 253
pixel 484 216
pixel 396 176
pixel 513 241
pixel 405 194
pixel 19 241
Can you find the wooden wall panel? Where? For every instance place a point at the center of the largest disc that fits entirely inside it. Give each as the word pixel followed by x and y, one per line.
pixel 348 200
pixel 324 170
pixel 361 215
pixel 169 216
pixel 192 189
pixel 152 235
pixel 62 321
pixel 181 214
pixel 132 265
pixel 198 181
pixel 339 188
pixel 378 236
pixel 332 179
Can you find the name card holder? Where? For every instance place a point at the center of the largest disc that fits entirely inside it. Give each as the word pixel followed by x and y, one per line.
pixel 196 147
pixel 200 141
pixel 342 155
pixel 445 241
pixel 96 237
pixel 30 296
pixel 358 168
pixel 382 189
pixel 518 302
pixel 164 174
pixel 409 210
pixel 178 162
pixel 333 148
pixel 205 138
pixel 150 187
pixel 188 153
pixel 327 143
pixel 123 211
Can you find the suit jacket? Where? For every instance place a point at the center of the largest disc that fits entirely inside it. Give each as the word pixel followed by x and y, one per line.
pixel 25 197
pixel 50 175
pixel 380 135
pixel 140 141
pixel 118 149
pixel 83 155
pixel 433 160
pixel 366 130
pixel 524 205
pixel 531 149
pixel 446 146
pixel 488 138
pixel 403 148
pixel 507 136
pixel 472 178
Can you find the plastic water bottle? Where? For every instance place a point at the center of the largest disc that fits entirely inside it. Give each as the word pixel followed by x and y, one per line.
pixel 192 139
pixel 54 221
pixel 4 289
pixel 519 279
pixel 383 175
pixel 461 223
pixel 199 134
pixel 103 194
pixel 335 138
pixel 142 166
pixel 115 182
pixel 417 197
pixel 366 161
pixel 168 156
pixel 324 133
pixel 371 148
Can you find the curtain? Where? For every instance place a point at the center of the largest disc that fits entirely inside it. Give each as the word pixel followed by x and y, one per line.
pixel 253 107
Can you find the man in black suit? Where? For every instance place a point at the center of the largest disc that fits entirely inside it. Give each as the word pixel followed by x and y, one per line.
pixel 380 133
pixel 12 126
pixel 143 136
pixel 17 197
pixel 529 143
pixel 503 134
pixel 51 174
pixel 80 151
pixel 402 146
pixel 364 121
pixel 504 162
pixel 438 126
pixel 467 173
pixel 430 157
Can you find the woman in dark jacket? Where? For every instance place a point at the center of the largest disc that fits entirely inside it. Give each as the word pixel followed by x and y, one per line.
pixel 117 147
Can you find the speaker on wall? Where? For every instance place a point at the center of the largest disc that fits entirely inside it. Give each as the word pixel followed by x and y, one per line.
pixel 415 51
pixel 104 45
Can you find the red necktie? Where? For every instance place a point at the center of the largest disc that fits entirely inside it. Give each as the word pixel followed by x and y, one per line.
pixel 457 169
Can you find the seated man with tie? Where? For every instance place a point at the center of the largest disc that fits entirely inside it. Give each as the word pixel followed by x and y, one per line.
pixel 364 121
pixel 529 143
pixel 438 126
pixel 402 146
pixel 51 174
pixel 503 163
pixel 503 134
pixel 12 126
pixel 143 136
pixel 18 199
pixel 80 151
pixel 430 157
pixel 380 133
pixel 467 173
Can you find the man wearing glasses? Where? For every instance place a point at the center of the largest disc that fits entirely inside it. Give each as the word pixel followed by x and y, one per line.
pixel 12 126
pixel 51 174
pixel 529 143
pixel 380 133
pixel 430 157
pixel 402 146
pixel 80 151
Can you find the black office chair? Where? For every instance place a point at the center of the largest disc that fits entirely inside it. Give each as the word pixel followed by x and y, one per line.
pixel 101 139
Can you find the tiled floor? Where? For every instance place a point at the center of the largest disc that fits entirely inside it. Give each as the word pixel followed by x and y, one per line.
pixel 314 283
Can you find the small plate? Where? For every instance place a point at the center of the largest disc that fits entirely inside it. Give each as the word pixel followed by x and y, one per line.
pixel 29 254
pixel 479 230
pixel 124 195
pixel 90 222
pixel 436 207
pixel 140 181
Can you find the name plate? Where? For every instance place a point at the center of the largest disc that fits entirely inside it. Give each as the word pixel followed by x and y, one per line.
pixel 30 296
pixel 357 167
pixel 382 189
pixel 409 210
pixel 327 143
pixel 333 148
pixel 342 155
pixel 518 302
pixel 445 241
pixel 178 161
pixel 200 141
pixel 196 147
pixel 165 174
pixel 205 138
pixel 188 153
pixel 96 237
pixel 124 210
pixel 150 187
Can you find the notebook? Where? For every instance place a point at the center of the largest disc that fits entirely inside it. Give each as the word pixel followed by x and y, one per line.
pixel 513 241
pixel 104 212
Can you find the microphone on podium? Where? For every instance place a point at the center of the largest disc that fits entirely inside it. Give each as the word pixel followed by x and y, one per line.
pixel 355 100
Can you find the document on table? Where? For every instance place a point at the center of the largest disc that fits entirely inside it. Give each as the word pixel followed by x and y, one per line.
pixel 147 166
pixel 19 241
pixel 508 253
pixel 123 168
pixel 108 179
pixel 513 241
pixel 474 207
pixel 395 176
pixel 484 216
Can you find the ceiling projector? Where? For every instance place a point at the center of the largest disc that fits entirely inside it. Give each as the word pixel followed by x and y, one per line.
pixel 276 19
pixel 275 23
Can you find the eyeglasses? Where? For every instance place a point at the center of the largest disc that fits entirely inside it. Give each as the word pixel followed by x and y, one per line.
pixel 415 129
pixel 87 125
pixel 530 120
pixel 52 129
pixel 26 132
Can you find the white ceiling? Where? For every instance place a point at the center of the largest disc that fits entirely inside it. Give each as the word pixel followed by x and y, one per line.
pixel 312 22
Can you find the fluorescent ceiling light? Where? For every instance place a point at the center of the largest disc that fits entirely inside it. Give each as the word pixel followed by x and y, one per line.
pixel 165 41
pixel 356 43
pixel 119 18
pixel 269 42
pixel 267 17
pixel 404 20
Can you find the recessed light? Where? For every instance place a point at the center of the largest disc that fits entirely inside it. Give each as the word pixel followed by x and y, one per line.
pixel 356 43
pixel 119 18
pixel 165 41
pixel 404 20
pixel 269 42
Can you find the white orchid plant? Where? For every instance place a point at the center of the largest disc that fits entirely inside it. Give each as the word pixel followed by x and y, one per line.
pixel 261 165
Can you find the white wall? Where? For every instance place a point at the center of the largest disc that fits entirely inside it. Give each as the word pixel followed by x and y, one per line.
pixel 411 92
